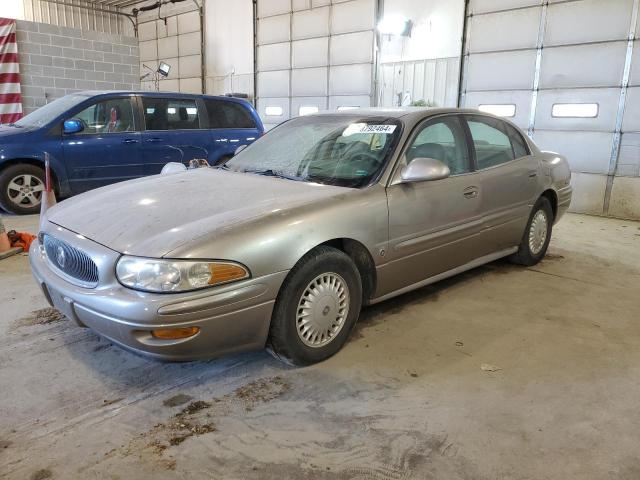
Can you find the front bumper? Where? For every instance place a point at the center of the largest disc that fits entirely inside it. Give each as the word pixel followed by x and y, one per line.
pixel 231 318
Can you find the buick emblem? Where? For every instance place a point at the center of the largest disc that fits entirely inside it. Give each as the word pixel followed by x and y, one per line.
pixel 60 257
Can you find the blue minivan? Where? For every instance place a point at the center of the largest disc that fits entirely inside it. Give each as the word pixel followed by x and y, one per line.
pixel 97 138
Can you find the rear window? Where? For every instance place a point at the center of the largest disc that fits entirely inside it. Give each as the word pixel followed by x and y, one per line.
pixel 228 115
pixel 170 114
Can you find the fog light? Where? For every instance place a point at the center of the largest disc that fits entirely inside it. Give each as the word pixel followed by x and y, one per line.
pixel 174 333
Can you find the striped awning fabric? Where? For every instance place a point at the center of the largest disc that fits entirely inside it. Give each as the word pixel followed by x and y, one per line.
pixel 10 101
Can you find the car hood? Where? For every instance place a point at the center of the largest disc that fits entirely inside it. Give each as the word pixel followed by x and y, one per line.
pixel 8 133
pixel 152 216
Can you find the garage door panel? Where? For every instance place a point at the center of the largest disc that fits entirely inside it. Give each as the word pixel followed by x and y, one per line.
pixel 361 101
pixel 273 84
pixel 587 152
pixel 501 71
pixel 629 159
pixel 483 6
pixel 504 30
pixel 583 65
pixel 307 102
pixel 350 80
pixel 310 23
pixel 280 104
pixel 521 100
pixel 190 66
pixel 273 29
pixel 309 82
pixel 634 78
pixel 597 20
pixel 352 48
pixel 631 122
pixel 353 16
pixel 606 98
pixel 310 53
pixel 625 198
pixel 274 56
pixel 273 7
pixel 588 193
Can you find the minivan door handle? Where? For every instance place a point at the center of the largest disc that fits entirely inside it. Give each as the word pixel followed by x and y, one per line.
pixel 154 140
pixel 130 140
pixel 471 192
pixel 533 173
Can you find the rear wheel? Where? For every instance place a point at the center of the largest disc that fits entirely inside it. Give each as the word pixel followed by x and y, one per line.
pixel 21 188
pixel 537 235
pixel 318 305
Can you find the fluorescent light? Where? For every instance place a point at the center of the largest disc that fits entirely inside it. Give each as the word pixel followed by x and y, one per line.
pixel 575 110
pixel 501 110
pixel 307 110
pixel 347 107
pixel 395 25
pixel 192 110
pixel 273 111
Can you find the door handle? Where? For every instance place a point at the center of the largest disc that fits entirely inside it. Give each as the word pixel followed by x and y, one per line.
pixel 470 192
pixel 533 173
pixel 154 140
pixel 130 140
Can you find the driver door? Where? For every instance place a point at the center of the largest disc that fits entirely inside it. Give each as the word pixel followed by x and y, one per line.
pixel 434 226
pixel 107 149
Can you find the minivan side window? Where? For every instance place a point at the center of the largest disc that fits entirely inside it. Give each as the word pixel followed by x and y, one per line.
pixel 228 115
pixel 170 114
pixel 108 116
pixel 492 144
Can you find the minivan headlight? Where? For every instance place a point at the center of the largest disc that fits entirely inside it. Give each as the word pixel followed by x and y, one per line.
pixel 158 275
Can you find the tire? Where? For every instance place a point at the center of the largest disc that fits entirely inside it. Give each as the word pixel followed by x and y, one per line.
pixel 328 269
pixel 535 239
pixel 12 182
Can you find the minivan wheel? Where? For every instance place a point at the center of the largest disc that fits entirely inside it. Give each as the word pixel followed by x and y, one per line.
pixel 537 235
pixel 318 305
pixel 21 188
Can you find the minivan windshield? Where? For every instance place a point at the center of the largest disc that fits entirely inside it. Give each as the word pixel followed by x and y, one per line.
pixel 50 111
pixel 341 150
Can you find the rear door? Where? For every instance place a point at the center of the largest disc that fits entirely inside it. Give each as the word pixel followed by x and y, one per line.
pixel 107 149
pixel 231 124
pixel 507 174
pixel 434 226
pixel 173 132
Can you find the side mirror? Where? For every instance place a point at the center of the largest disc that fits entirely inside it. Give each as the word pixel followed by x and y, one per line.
pixel 239 149
pixel 424 170
pixel 72 126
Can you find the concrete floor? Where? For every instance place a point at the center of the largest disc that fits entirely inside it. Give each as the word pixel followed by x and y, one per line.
pixel 406 398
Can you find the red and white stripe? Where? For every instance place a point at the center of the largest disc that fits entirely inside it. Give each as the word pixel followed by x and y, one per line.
pixel 10 100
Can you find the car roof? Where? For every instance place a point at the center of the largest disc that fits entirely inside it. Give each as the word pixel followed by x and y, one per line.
pixel 151 93
pixel 406 113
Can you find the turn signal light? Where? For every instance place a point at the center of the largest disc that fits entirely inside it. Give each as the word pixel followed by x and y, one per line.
pixel 225 272
pixel 174 333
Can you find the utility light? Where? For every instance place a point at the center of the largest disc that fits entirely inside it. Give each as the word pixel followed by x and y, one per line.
pixel 163 69
pixel 395 25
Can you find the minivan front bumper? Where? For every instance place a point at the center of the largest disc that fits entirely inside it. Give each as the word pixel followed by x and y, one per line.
pixel 230 318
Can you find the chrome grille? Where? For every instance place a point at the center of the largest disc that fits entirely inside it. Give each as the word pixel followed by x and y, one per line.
pixel 71 261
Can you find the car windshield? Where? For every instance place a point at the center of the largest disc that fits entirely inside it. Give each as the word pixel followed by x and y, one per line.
pixel 346 151
pixel 50 111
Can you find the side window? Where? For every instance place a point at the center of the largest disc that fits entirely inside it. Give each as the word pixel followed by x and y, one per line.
pixel 444 140
pixel 108 116
pixel 228 115
pixel 492 144
pixel 170 114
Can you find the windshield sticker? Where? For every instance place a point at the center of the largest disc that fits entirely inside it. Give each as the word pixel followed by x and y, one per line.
pixel 371 129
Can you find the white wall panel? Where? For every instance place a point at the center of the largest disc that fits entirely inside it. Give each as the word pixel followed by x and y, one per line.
pixel 587 21
pixel 629 160
pixel 190 66
pixel 350 80
pixel 353 16
pixel 168 28
pixel 148 50
pixel 521 99
pixel 606 98
pixel 188 22
pixel 309 82
pixel 597 65
pixel 501 71
pixel 310 23
pixel 273 7
pixel 168 47
pixel 273 84
pixel 634 79
pixel 587 152
pixel 189 43
pixel 631 122
pixel 588 193
pixel 146 31
pixel 273 29
pixel 483 6
pixel 310 53
pixel 504 30
pixel 191 85
pixel 352 48
pixel 274 56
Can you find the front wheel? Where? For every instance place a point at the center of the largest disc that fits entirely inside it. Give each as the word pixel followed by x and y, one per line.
pixel 537 235
pixel 318 305
pixel 21 188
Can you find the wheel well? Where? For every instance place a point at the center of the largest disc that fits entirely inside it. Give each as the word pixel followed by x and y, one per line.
pixel 35 163
pixel 553 199
pixel 363 261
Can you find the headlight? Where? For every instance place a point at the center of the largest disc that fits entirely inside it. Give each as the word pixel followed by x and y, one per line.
pixel 156 275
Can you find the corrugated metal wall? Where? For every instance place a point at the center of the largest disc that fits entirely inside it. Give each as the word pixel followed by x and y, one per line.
pixel 545 56
pixel 75 16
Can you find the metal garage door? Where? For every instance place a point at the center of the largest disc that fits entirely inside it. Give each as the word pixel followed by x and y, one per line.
pixel 559 69
pixel 313 55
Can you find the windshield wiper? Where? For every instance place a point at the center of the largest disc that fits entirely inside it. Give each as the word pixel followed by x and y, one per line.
pixel 268 172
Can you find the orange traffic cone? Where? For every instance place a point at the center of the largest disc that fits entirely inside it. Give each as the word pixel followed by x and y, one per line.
pixel 5 244
pixel 48 198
